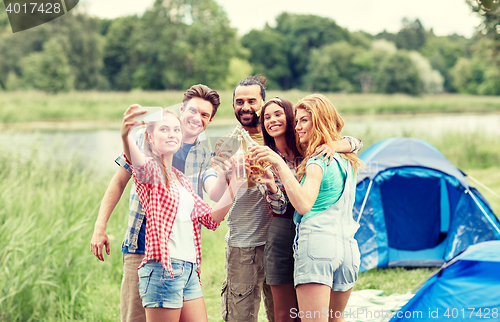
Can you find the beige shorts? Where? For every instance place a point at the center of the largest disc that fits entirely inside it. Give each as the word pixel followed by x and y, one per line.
pixel 245 281
pixel 130 300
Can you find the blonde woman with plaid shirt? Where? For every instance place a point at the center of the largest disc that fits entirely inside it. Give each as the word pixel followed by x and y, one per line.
pixel 169 275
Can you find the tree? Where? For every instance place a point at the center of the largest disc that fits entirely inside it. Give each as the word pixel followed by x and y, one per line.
pixel 411 36
pixel 361 39
pixel 268 56
pixel 302 34
pixel 330 68
pixel 443 53
pixel 489 10
pixel 491 83
pixel 479 74
pixel 385 46
pixel 386 36
pixel 365 65
pixel 239 69
pixel 120 53
pixel 398 74
pixel 182 43
pixel 48 70
pixel 322 75
pixel 432 81
pixel 4 19
pixel 13 47
pixel 83 47
pixel 211 43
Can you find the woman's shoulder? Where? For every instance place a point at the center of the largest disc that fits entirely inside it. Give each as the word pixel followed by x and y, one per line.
pixel 182 179
pixel 338 164
pixel 179 174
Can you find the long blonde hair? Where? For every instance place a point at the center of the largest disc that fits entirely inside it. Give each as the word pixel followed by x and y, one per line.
pixel 327 124
pixel 148 144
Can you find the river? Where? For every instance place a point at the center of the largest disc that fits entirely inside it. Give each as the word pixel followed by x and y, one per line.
pixel 100 147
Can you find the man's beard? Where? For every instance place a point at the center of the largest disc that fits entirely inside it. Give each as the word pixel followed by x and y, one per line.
pixel 254 122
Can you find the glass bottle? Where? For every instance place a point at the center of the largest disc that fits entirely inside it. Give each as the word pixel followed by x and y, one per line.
pixel 250 143
pixel 239 162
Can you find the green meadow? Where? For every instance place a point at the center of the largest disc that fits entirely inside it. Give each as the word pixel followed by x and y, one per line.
pixel 103 107
pixel 48 205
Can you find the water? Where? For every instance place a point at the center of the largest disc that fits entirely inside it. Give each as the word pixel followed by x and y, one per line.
pixel 98 149
pixel 431 125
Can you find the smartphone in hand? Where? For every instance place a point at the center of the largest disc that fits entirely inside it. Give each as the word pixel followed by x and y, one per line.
pixel 153 114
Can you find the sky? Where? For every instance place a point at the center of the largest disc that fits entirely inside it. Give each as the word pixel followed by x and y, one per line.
pixel 373 16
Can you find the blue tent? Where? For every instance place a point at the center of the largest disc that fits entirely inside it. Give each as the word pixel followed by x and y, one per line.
pixel 417 208
pixel 466 289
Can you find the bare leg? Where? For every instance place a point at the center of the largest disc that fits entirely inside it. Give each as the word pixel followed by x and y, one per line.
pixel 268 301
pixel 284 300
pixel 159 314
pixel 338 302
pixel 314 300
pixel 194 311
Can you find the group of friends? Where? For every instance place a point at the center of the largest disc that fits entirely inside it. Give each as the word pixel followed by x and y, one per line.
pixel 291 231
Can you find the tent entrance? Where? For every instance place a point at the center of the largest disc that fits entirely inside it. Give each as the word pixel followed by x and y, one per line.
pixel 412 209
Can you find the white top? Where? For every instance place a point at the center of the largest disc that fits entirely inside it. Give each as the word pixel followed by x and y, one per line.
pixel 181 243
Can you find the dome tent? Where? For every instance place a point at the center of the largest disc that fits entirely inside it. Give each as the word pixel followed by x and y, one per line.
pixel 467 288
pixel 415 208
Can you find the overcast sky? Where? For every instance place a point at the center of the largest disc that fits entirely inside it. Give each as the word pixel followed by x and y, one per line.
pixel 373 16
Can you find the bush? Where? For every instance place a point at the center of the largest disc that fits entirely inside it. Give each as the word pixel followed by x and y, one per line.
pixel 48 70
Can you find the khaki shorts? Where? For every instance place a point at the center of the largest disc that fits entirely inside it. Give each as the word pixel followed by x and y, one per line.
pixel 244 283
pixel 130 300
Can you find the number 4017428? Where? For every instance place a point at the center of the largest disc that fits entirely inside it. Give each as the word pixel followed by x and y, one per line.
pixel 485 313
pixel 34 8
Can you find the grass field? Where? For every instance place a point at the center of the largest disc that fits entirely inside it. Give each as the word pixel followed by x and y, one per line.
pixel 47 213
pixel 103 107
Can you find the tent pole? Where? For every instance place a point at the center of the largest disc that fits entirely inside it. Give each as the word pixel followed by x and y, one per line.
pixel 484 212
pixel 485 187
pixel 364 200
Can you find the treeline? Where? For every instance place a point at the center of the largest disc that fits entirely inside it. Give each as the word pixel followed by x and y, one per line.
pixel 177 43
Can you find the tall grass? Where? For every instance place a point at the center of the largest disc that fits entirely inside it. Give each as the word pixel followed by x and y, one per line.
pixel 47 210
pixel 29 106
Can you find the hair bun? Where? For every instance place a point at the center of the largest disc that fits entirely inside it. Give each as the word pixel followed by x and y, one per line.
pixel 262 79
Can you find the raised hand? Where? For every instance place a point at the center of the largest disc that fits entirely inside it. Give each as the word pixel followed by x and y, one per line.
pixel 221 163
pixel 128 120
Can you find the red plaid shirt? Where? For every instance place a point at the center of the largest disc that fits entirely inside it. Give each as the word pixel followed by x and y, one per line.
pixel 160 204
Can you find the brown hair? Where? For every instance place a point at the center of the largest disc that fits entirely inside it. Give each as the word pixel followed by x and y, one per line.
pixel 327 124
pixel 288 110
pixel 148 147
pixel 254 80
pixel 205 93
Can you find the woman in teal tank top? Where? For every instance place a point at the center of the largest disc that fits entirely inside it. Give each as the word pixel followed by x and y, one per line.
pixel 325 251
pixel 278 121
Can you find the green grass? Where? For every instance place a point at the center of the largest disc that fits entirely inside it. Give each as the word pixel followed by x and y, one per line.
pixel 47 212
pixel 47 209
pixel 103 107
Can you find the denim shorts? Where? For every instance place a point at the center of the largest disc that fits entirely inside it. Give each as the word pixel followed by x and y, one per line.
pixel 158 289
pixel 326 258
